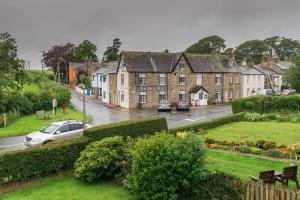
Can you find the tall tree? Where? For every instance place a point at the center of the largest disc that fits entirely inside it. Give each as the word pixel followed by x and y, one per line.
pixel 293 74
pixel 59 55
pixel 12 73
pixel 86 49
pixel 272 43
pixel 250 51
pixel 287 48
pixel 112 52
pixel 207 45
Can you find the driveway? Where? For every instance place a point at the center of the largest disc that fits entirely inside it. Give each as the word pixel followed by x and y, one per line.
pixel 102 114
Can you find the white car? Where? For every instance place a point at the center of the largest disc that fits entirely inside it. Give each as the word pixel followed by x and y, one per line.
pixel 55 131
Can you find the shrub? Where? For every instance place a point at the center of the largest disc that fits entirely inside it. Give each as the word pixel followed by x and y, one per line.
pixel 260 144
pixel 249 105
pixel 275 153
pixel 40 161
pixel 209 124
pixel 269 145
pixel 255 150
pixel 253 117
pixel 209 140
pixel 165 166
pixel 100 159
pixel 132 128
pixel 242 149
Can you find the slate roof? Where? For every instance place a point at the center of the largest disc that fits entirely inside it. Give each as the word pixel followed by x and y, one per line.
pixel 196 88
pixel 284 65
pixel 107 68
pixel 266 70
pixel 248 70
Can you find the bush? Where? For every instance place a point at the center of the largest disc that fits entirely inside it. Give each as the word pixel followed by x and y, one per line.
pixel 209 124
pixel 255 150
pixel 165 166
pixel 101 159
pixel 263 104
pixel 40 161
pixel 242 149
pixel 131 128
pixel 262 144
pixel 275 153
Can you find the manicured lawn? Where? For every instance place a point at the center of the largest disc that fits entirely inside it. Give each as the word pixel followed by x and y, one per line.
pixel 30 123
pixel 280 132
pixel 68 187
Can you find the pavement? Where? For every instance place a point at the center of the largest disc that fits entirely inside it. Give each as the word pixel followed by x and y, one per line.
pixel 103 114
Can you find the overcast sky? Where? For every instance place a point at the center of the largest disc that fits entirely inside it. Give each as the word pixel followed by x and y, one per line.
pixel 143 24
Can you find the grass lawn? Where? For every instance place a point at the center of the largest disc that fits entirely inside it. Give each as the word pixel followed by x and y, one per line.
pixel 68 187
pixel 280 132
pixel 30 123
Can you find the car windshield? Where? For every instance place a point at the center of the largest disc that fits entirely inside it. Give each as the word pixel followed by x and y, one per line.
pixel 49 129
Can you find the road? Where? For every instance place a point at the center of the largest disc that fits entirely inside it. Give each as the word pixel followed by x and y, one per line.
pixel 102 114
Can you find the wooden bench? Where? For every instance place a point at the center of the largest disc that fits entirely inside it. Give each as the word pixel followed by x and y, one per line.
pixel 265 177
pixel 288 173
pixel 41 114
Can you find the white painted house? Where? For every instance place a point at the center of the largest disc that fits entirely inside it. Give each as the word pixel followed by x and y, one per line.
pixel 123 86
pixel 252 81
pixel 199 96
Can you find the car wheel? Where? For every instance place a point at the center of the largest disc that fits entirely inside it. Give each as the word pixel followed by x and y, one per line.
pixel 47 142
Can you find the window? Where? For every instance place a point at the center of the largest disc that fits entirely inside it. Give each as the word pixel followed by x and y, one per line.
pixel 76 126
pixel 122 79
pixel 64 128
pixel 122 97
pixel 93 77
pixel 162 79
pixel 143 97
pixel 181 79
pixel 100 92
pixel 104 94
pixel 199 79
pixel 182 96
pixel 237 80
pixel 230 79
pixel 142 79
pixel 201 95
pixel 162 96
pixel 218 79
pixel 230 94
pixel 218 95
pixel 181 66
pixel 104 79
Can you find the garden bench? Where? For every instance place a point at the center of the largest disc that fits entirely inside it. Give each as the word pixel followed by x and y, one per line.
pixel 41 114
pixel 265 177
pixel 288 173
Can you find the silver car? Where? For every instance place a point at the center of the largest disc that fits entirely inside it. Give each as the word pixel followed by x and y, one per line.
pixel 164 106
pixel 183 105
pixel 55 131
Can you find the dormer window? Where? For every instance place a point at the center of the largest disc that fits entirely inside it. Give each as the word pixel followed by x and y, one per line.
pixel 181 66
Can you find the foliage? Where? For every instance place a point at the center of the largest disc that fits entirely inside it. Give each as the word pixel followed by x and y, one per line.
pixel 293 74
pixel 164 166
pixel 101 159
pixel 209 124
pixel 207 45
pixel 112 52
pixel 59 55
pixel 84 50
pixel 85 81
pixel 131 128
pixel 11 67
pixel 263 104
pixel 250 51
pixel 272 43
pixel 40 161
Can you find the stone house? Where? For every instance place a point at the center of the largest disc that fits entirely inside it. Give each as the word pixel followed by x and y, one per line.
pixel 146 78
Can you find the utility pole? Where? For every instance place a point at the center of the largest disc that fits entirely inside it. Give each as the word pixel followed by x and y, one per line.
pixel 58 70
pixel 83 97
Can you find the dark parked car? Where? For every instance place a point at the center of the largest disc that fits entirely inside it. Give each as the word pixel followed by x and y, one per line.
pixel 183 105
pixel 164 106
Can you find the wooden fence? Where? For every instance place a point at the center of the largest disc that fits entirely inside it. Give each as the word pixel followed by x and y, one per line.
pixel 9 117
pixel 260 191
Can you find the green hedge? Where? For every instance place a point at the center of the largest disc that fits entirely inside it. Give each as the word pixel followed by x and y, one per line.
pixel 132 128
pixel 264 104
pixel 41 161
pixel 209 124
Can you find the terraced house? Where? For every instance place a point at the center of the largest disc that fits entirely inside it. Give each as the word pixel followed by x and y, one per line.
pixel 146 78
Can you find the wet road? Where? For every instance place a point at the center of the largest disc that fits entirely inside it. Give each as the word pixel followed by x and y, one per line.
pixel 102 114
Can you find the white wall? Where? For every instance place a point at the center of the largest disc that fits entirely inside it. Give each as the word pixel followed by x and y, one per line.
pixel 105 88
pixel 253 84
pixel 123 89
pixel 195 100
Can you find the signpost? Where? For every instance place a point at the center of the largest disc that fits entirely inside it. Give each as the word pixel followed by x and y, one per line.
pixel 54 105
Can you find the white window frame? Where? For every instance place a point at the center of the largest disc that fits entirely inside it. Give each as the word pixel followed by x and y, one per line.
pixel 219 95
pixel 122 79
pixel 230 94
pixel 182 79
pixel 218 78
pixel 162 79
pixel 182 93
pixel 199 79
pixel 104 94
pixel 237 80
pixel 230 79
pixel 162 94
pixel 181 66
pixel 142 79
pixel 143 97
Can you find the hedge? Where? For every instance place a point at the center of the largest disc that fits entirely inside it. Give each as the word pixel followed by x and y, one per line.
pixel 132 128
pixel 41 161
pixel 210 123
pixel 263 104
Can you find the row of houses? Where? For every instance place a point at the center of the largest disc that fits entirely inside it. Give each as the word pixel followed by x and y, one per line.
pixel 143 79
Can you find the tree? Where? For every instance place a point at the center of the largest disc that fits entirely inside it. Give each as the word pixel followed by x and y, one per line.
pixel 112 52
pixel 166 51
pixel 59 55
pixel 272 43
pixel 287 48
pixel 207 45
pixel 86 50
pixel 12 73
pixel 292 76
pixel 250 51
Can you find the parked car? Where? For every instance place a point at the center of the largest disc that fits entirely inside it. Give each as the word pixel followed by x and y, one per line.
pixel 269 92
pixel 286 92
pixel 183 105
pixel 164 106
pixel 55 131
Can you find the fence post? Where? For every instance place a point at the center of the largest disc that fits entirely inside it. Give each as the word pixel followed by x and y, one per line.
pixel 4 117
